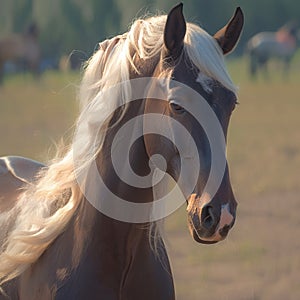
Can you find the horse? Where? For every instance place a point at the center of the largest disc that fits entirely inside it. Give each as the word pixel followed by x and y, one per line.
pixel 265 46
pixel 21 48
pixel 89 225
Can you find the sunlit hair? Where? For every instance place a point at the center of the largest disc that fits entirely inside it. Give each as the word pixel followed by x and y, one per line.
pixel 45 207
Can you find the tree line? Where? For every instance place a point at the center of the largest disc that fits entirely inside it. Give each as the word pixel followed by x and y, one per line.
pixel 65 25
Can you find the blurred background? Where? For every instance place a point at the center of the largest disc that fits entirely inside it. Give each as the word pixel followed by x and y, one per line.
pixel 260 259
pixel 66 25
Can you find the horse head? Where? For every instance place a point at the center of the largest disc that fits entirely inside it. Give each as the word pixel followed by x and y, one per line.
pixel 195 98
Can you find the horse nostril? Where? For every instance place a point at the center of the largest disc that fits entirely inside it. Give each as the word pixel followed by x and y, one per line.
pixel 208 219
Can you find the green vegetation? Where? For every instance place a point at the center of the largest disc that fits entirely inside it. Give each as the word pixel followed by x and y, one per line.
pixel 67 25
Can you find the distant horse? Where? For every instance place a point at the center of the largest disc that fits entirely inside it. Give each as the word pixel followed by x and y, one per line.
pixel 21 48
pixel 267 45
pixel 61 236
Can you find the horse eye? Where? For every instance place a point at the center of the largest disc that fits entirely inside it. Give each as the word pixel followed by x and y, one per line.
pixel 176 108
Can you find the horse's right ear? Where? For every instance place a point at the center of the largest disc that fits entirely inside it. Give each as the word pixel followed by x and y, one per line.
pixel 229 35
pixel 175 30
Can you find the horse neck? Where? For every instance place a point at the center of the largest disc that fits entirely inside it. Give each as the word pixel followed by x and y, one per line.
pixel 115 241
pixel 110 242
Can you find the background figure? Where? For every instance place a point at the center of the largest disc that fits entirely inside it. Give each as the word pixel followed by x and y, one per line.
pixel 267 45
pixel 21 49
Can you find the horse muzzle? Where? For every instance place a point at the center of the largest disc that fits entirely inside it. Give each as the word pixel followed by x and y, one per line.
pixel 209 221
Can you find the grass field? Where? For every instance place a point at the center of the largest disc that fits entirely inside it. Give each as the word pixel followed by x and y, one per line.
pixel 261 257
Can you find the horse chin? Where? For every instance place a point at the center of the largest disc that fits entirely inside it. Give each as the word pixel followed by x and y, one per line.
pixel 204 236
pixel 198 239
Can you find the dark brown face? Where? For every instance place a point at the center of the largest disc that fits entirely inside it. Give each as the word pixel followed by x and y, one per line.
pixel 210 213
pixel 194 152
pixel 210 216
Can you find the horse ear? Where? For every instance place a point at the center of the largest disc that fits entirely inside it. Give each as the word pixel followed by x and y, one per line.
pixel 229 35
pixel 175 29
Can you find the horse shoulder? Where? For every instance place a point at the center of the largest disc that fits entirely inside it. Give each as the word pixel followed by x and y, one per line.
pixel 15 172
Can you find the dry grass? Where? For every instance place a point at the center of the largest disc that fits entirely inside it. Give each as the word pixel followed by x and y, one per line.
pixel 35 115
pixel 264 136
pixel 260 259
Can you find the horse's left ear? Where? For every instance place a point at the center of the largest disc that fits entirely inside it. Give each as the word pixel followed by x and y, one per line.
pixel 229 35
pixel 175 30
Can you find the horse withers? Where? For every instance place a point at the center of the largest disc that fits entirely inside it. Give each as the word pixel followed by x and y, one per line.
pixel 280 45
pixel 21 49
pixel 155 102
